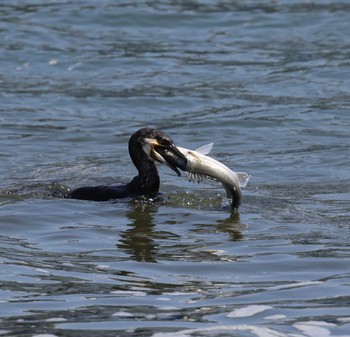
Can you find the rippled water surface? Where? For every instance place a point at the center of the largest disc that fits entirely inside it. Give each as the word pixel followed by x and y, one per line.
pixel 266 81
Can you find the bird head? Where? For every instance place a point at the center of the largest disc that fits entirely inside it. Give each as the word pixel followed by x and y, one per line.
pixel 159 147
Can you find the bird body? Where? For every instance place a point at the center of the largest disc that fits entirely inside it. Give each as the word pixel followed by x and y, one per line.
pixel 143 146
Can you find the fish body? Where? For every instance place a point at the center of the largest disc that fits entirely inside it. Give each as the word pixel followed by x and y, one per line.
pixel 200 167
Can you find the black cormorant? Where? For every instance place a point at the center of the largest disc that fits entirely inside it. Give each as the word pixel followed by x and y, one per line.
pixel 145 147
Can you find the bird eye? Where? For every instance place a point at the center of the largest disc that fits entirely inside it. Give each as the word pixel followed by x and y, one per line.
pixel 164 142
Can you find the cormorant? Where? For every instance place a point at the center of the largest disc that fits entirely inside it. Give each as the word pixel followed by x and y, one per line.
pixel 145 147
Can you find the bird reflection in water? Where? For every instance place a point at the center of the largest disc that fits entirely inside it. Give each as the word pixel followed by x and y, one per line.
pixel 140 239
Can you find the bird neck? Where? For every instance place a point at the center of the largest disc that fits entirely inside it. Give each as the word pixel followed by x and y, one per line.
pixel 147 181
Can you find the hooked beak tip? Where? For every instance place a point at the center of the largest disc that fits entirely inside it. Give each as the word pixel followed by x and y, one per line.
pixel 172 157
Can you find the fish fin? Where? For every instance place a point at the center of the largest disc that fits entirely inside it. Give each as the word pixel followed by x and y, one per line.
pixel 243 178
pixel 195 177
pixel 198 177
pixel 205 149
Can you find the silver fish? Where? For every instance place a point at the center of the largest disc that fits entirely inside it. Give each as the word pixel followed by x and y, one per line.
pixel 200 167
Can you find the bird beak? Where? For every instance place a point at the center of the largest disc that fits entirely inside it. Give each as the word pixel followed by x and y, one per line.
pixel 169 155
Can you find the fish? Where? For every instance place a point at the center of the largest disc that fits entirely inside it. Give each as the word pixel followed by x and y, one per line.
pixel 200 167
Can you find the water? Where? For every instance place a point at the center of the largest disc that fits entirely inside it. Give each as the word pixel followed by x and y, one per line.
pixel 267 81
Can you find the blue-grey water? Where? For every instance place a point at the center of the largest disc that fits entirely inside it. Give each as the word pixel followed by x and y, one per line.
pixel 266 81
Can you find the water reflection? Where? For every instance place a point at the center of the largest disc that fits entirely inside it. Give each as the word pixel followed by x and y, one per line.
pixel 232 226
pixel 138 239
pixel 141 238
